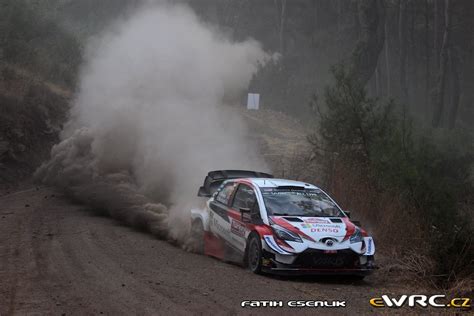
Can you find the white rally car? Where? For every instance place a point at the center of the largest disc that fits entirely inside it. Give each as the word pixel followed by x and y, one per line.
pixel 278 226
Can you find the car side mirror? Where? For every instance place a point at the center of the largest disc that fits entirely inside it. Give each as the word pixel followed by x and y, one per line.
pixel 245 215
pixel 348 213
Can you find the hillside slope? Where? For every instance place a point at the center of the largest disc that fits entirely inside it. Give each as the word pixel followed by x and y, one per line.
pixel 31 115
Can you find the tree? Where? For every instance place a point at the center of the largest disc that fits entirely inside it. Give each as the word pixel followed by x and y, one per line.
pixel 402 40
pixel 453 113
pixel 427 53
pixel 439 92
pixel 281 9
pixel 371 15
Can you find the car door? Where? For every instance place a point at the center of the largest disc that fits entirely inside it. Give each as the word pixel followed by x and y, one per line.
pixel 244 198
pixel 220 222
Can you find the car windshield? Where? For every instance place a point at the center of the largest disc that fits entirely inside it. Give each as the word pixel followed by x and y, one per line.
pixel 309 203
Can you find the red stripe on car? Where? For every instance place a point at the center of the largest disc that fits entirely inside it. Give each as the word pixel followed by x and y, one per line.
pixel 283 223
pixel 350 228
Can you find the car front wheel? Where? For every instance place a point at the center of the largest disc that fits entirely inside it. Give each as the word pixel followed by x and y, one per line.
pixel 254 254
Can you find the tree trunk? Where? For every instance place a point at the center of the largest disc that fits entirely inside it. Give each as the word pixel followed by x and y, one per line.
pixel 315 21
pixel 436 29
pixel 371 41
pixel 387 59
pixel 402 40
pixel 378 87
pixel 443 63
pixel 413 60
pixel 453 113
pixel 339 15
pixel 427 53
pixel 282 26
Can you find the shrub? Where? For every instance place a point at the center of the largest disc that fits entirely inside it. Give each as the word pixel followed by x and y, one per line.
pixel 426 172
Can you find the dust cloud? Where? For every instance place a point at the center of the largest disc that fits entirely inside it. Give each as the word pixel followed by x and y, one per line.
pixel 148 120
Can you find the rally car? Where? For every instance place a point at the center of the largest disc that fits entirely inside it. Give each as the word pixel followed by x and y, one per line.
pixel 278 226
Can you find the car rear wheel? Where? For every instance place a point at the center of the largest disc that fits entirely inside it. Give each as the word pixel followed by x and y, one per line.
pixel 197 236
pixel 254 254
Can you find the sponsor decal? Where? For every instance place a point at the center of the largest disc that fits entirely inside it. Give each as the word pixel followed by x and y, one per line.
pixel 334 230
pixel 418 300
pixel 237 228
pixel 312 225
pixel 317 220
pixel 292 304
pixel 370 246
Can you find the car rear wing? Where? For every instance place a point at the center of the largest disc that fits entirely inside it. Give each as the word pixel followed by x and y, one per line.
pixel 215 178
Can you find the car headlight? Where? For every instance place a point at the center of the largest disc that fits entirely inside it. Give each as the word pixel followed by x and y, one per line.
pixel 285 234
pixel 356 236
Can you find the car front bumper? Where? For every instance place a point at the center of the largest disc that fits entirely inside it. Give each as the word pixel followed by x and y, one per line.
pixel 314 271
pixel 314 262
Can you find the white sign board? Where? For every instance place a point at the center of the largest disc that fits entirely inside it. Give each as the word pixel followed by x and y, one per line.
pixel 253 101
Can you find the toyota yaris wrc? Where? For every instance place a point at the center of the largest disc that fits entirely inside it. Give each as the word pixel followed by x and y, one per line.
pixel 278 226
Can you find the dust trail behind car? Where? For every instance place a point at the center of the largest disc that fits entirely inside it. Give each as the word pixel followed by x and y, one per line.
pixel 147 122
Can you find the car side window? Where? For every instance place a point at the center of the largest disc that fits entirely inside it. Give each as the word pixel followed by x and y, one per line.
pixel 244 198
pixel 225 193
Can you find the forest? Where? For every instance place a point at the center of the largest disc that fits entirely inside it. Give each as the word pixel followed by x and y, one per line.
pixel 417 52
pixel 384 86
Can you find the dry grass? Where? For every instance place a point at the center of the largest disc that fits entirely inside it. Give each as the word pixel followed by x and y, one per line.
pixel 400 231
pixel 464 287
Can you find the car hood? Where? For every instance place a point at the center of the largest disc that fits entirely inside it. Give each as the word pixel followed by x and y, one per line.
pixel 316 228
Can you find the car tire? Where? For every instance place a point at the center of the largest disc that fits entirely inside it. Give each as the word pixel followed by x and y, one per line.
pixel 197 236
pixel 254 254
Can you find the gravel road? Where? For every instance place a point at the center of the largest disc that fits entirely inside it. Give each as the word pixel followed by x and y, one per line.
pixel 57 258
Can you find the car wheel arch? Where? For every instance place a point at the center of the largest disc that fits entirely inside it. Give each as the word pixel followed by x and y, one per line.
pixel 201 215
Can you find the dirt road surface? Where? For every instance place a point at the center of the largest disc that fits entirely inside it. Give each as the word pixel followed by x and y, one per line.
pixel 56 258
